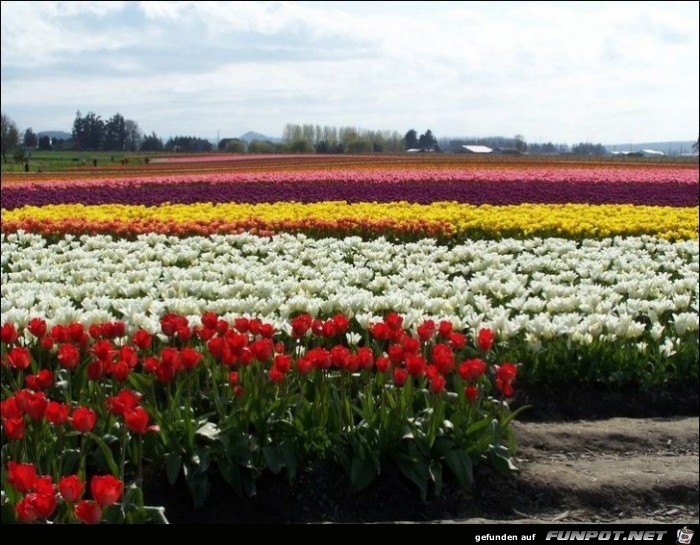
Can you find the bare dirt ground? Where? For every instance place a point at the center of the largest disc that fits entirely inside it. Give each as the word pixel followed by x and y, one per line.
pixel 608 470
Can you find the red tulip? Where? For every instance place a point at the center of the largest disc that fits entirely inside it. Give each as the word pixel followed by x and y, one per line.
pixel 426 330
pixel 21 476
pixel 300 325
pixel 415 365
pixel 36 405
pixel 69 356
pixel 400 376
pixel 9 333
pixel 10 409
pixel 190 358
pixel 445 329
pixel 383 364
pixel 125 400
pixel 71 488
pixel 304 365
pixel 83 419
pixel 88 512
pixel 15 428
pixel 505 375
pixel 37 327
pixel 25 510
pixel 276 376
pixel 471 393
pixel 142 339
pixel 209 320
pixel 437 384
pixel 57 413
pixel 18 358
pixel 106 489
pixel 137 420
pixel 43 504
pixel 42 380
pixel 442 357
pixel 485 339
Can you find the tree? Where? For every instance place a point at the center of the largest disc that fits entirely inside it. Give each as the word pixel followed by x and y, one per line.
pixel 88 131
pixel 696 146
pixel 188 143
pixel 133 135
pixel 9 137
pixel 520 144
pixel 588 148
pixel 235 145
pixel 427 140
pixel 300 146
pixel 261 146
pixel 359 146
pixel 45 143
pixel 152 143
pixel 115 133
pixel 30 139
pixel 411 139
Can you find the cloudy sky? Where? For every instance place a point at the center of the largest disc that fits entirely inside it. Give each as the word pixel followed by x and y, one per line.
pixel 601 71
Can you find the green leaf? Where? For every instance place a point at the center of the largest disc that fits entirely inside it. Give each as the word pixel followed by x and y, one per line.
pixel 113 514
pixel 173 463
pixel 249 487
pixel 231 473
pixel 442 446
pixel 416 470
pixel 106 452
pixel 273 458
pixel 70 461
pixel 503 464
pixel 209 431
pixel 361 473
pixel 7 513
pixel 436 476
pixel 156 515
pixel 289 455
pixel 462 467
pixel 198 483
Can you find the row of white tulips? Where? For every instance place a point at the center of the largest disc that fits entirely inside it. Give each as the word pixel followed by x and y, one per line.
pixel 628 289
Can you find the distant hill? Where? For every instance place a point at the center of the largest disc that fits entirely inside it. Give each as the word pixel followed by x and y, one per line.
pixel 55 134
pixel 676 147
pixel 250 136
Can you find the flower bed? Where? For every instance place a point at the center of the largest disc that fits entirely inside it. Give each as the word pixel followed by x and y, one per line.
pixel 358 312
pixel 240 397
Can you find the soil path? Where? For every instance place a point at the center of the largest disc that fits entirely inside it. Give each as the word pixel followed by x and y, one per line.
pixel 605 470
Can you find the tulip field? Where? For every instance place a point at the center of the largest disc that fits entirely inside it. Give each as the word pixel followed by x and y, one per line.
pixel 232 319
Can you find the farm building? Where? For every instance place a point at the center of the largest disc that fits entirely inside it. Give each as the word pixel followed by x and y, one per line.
pixel 476 149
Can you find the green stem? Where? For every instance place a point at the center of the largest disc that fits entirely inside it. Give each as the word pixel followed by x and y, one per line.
pixel 122 463
pixel 83 454
pixel 36 439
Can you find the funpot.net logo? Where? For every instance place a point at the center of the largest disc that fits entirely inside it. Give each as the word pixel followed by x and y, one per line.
pixel 609 535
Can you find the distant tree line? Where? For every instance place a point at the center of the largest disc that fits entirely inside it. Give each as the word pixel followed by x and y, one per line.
pixel 93 133
pixel 329 139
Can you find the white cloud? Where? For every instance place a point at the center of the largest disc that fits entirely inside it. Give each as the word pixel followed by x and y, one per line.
pixel 557 71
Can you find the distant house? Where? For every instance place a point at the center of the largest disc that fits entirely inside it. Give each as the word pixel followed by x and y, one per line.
pixel 640 153
pixel 476 149
pixel 414 150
